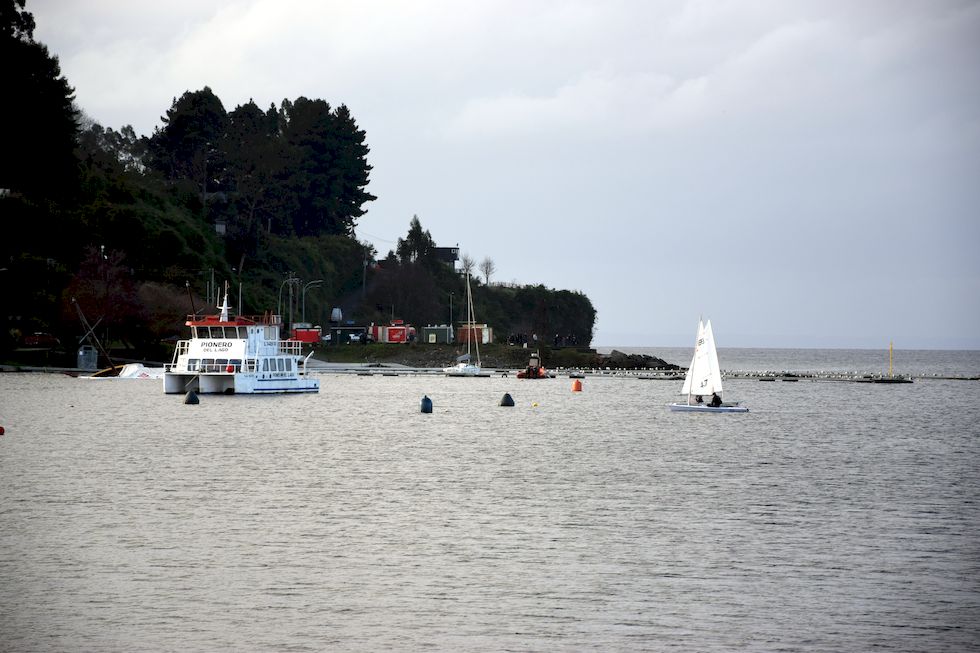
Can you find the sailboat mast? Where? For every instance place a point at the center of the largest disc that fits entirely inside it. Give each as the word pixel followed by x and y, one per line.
pixel 472 317
pixel 690 370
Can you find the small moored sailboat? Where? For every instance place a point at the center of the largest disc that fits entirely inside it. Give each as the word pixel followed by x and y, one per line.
pixel 464 366
pixel 703 378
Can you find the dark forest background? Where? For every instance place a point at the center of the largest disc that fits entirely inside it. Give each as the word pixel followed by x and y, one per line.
pixel 138 229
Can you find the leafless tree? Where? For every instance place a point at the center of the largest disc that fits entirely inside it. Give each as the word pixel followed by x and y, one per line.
pixel 467 264
pixel 487 268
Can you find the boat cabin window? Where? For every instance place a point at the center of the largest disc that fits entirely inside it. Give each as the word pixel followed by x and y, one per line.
pixel 289 364
pixel 207 365
pixel 237 363
pixel 193 364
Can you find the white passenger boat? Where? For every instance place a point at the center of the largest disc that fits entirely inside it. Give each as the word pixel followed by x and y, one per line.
pixel 240 355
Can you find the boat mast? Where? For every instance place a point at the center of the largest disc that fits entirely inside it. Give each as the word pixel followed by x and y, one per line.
pixel 472 319
pixel 224 306
pixel 690 370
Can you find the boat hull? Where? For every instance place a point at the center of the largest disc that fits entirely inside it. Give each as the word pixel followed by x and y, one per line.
pixel 541 374
pixel 240 383
pixel 686 408
pixel 465 369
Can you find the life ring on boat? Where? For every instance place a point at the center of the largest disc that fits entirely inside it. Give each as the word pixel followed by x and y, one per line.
pixel 230 369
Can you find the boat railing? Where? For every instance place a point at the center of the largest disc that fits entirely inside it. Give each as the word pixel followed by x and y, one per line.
pixel 291 347
pixel 181 349
pixel 246 365
pixel 270 319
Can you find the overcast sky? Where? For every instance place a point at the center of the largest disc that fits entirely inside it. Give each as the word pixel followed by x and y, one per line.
pixel 805 174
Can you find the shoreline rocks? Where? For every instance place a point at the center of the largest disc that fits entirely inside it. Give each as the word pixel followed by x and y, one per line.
pixel 622 361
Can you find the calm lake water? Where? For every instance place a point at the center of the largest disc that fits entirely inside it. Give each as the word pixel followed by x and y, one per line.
pixel 833 517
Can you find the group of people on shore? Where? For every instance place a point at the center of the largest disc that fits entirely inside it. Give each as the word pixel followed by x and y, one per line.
pixel 519 339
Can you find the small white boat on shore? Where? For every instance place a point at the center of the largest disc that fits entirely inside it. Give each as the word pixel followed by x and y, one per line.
pixel 240 355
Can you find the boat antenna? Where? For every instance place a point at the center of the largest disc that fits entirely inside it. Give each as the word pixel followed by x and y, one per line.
pixel 191 296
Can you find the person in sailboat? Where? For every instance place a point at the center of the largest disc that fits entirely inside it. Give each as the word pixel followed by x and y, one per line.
pixel 715 400
pixel 698 399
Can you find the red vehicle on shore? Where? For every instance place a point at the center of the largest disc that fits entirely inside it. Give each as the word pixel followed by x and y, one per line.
pixel 41 339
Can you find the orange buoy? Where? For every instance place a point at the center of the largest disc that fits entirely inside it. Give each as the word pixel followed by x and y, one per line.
pixel 576 386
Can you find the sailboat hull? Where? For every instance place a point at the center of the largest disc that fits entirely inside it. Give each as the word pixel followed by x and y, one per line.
pixel 685 408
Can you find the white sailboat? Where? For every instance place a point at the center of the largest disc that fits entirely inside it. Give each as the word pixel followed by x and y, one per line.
pixel 702 385
pixel 464 366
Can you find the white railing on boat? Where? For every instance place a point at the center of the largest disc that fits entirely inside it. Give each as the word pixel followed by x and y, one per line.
pixel 283 348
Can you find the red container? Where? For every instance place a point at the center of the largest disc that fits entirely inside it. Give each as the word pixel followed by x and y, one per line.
pixel 397 334
pixel 309 335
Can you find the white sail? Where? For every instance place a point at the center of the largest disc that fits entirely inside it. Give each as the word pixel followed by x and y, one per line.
pixel 704 375
pixel 686 389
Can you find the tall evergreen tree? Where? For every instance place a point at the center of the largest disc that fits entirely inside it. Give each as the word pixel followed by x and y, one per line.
pixel 417 245
pixel 38 120
pixel 253 153
pixel 187 147
pixel 326 170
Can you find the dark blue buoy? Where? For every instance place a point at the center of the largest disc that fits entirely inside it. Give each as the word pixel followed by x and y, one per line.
pixel 191 398
pixel 506 400
pixel 426 404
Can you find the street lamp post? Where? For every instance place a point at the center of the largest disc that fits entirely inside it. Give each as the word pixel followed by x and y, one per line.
pixel 288 279
pixel 311 283
pixel 364 279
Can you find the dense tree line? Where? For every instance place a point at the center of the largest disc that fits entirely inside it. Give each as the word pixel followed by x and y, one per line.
pixel 298 169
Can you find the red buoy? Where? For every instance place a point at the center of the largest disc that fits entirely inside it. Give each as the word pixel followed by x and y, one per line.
pixel 1 430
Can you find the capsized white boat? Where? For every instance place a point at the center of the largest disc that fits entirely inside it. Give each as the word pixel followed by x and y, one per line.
pixel 127 371
pixel 703 379
pixel 240 355
pixel 135 371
